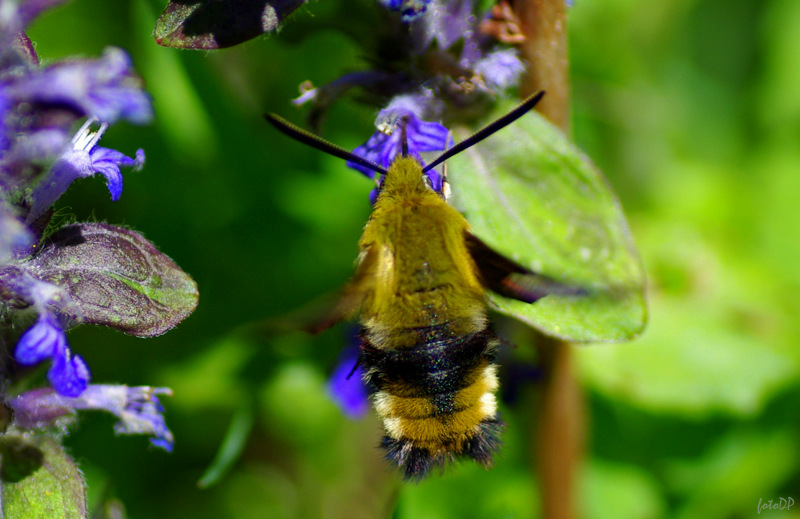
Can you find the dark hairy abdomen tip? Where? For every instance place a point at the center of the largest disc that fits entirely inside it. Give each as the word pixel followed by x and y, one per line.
pixel 415 463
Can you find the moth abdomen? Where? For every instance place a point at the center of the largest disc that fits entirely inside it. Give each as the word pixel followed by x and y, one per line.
pixel 436 399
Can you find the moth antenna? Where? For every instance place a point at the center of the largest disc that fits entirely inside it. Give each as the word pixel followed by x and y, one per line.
pixel 487 130
pixel 315 141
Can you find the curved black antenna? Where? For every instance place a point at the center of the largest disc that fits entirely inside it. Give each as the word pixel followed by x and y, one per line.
pixel 299 134
pixel 487 130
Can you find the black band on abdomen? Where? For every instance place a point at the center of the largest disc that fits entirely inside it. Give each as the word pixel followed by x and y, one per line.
pixel 440 363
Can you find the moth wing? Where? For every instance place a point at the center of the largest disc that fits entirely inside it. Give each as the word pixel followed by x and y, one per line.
pixel 352 296
pixel 510 279
pixel 328 309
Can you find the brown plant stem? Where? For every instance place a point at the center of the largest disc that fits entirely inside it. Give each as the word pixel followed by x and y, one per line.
pixel 558 444
pixel 544 23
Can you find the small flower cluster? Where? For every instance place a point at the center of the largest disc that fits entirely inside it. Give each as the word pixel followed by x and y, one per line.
pixel 455 75
pixel 455 58
pixel 40 157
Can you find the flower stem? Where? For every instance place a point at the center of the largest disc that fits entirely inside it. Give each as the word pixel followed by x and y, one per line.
pixel 559 441
pixel 544 24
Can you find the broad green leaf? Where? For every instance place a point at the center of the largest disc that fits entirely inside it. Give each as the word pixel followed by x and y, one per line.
pixel 532 195
pixel 116 278
pixel 55 489
pixel 215 24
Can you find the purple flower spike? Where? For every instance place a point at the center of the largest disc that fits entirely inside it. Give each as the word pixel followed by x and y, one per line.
pixel 83 159
pixel 104 88
pixel 138 409
pixel 346 387
pixel 68 374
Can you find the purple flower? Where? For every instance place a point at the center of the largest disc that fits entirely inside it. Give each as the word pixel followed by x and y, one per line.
pixel 104 88
pixel 39 106
pixel 138 409
pixel 445 22
pixel 83 158
pixel 500 69
pixel 68 373
pixel 346 387
pixel 422 136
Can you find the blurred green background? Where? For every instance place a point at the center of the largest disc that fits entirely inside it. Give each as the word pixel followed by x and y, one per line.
pixel 690 107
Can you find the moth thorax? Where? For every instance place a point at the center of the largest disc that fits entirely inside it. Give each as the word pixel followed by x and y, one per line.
pixel 405 176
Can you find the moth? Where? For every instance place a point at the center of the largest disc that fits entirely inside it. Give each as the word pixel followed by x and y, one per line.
pixel 428 352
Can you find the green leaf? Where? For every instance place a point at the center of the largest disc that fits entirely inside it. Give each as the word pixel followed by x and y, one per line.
pixel 19 458
pixel 532 195
pixel 740 470
pixel 216 24
pixel 116 278
pixel 55 489
pixel 231 449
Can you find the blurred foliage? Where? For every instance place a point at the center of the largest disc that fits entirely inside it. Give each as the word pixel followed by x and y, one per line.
pixel 690 107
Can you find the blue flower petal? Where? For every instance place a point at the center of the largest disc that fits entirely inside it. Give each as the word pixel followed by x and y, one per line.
pixel 346 387
pixel 69 374
pixel 107 162
pixel 42 341
pixel 162 444
pixel 84 159
pixel 426 136
pixel 143 413
pixel 422 137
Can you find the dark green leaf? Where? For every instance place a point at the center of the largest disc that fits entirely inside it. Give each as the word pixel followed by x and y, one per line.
pixel 216 24
pixel 531 195
pixel 19 458
pixel 55 489
pixel 117 278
